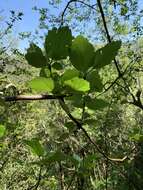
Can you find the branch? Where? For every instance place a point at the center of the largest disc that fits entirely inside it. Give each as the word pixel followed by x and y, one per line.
pixel 118 77
pixel 68 4
pixel 120 74
pixel 33 97
pixel 107 33
pixel 79 126
pixel 61 176
pixel 64 11
pixel 66 109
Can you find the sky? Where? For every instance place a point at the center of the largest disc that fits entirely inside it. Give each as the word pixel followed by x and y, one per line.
pixel 30 18
pixel 29 21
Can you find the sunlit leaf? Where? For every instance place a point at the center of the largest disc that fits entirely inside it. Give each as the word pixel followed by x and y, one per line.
pixel 78 84
pixel 2 130
pixel 42 84
pixel 69 74
pixel 137 137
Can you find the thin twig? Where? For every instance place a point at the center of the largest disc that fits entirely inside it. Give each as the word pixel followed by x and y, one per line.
pixel 64 11
pixel 79 126
pixel 68 4
pixel 107 33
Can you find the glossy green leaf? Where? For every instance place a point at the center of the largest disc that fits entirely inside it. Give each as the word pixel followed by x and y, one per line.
pixel 81 54
pixel 95 104
pixel 35 57
pixel 69 74
pixel 105 55
pixel 35 146
pixel 2 130
pixel 42 84
pixel 58 42
pixel 95 82
pixel 78 84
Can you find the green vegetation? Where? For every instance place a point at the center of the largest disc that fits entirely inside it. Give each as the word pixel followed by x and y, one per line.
pixel 71 111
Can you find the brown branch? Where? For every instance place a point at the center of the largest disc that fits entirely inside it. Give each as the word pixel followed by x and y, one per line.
pixel 66 109
pixel 33 97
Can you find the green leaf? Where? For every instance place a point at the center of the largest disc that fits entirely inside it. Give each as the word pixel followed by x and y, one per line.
pixel 78 84
pixel 95 104
pixel 57 65
pixel 70 126
pixel 81 54
pixel 90 121
pixel 89 161
pixel 69 74
pixel 95 81
pixel 137 137
pixel 45 72
pixel 35 57
pixel 58 156
pixel 76 100
pixel 76 160
pixel 42 84
pixel 105 55
pixel 58 42
pixel 2 130
pixel 124 10
pixel 54 157
pixel 35 146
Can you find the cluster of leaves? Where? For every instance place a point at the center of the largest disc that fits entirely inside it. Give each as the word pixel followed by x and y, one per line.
pixel 83 75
